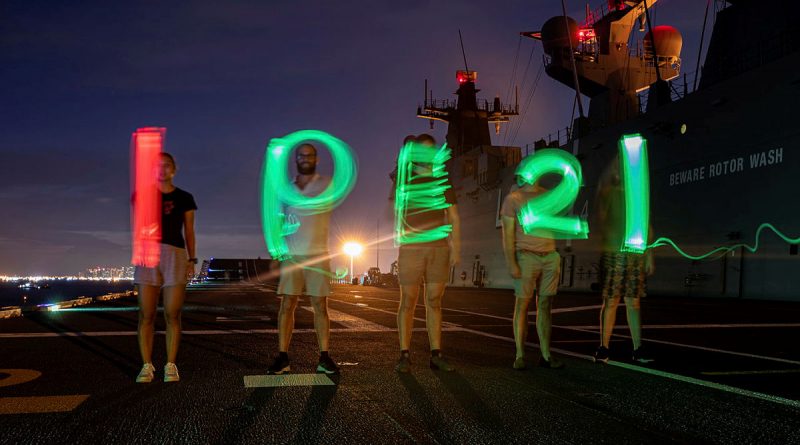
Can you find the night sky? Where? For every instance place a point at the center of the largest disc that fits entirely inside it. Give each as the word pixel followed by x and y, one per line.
pixel 224 77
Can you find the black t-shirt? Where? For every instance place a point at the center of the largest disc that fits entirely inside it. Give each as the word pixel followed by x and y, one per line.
pixel 174 204
pixel 421 221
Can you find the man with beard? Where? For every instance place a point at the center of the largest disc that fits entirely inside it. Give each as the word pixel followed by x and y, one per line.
pixel 306 273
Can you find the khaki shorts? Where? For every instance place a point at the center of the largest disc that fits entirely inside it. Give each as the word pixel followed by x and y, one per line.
pixel 302 275
pixel 429 263
pixel 171 269
pixel 538 272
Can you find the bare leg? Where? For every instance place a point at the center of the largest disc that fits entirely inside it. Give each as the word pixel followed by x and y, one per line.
pixel 521 324
pixel 322 321
pixel 173 303
pixel 148 303
pixel 608 316
pixel 544 323
pixel 633 311
pixel 405 314
pixel 286 321
pixel 434 293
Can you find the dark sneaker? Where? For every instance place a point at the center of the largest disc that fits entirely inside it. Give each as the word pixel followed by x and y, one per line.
pixel 553 363
pixel 326 365
pixel 519 363
pixel 403 365
pixel 279 366
pixel 601 355
pixel 440 364
pixel 640 355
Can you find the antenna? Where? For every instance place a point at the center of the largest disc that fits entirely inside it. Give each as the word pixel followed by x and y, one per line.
pixel 463 53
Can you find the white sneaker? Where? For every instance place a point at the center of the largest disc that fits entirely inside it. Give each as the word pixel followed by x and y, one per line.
pixel 171 373
pixel 146 374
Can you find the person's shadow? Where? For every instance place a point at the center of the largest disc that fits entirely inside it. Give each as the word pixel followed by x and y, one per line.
pixel 470 400
pixel 309 429
pixel 248 413
pixel 426 410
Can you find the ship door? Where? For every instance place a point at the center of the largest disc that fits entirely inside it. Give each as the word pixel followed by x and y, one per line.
pixel 733 273
pixel 567 278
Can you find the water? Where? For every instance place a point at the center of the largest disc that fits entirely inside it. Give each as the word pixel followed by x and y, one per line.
pixel 59 290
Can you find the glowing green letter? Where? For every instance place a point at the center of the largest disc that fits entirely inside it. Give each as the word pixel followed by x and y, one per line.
pixel 543 216
pixel 279 191
pixel 418 161
pixel 635 173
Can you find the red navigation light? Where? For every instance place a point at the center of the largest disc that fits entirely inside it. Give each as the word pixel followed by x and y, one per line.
pixel 586 34
pixel 463 76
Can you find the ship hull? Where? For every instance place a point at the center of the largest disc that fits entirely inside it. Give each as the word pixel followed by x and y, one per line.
pixel 733 167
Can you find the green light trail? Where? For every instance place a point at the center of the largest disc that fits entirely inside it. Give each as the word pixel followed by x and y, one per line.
pixel 278 190
pixel 636 177
pixel 721 251
pixel 544 216
pixel 417 161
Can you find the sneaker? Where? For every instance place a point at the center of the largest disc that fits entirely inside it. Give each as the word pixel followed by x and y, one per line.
pixel 640 355
pixel 553 363
pixel 403 365
pixel 279 366
pixel 326 365
pixel 519 363
pixel 146 374
pixel 440 364
pixel 601 355
pixel 171 373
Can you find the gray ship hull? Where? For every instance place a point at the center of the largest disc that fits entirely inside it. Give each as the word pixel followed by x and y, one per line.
pixel 734 168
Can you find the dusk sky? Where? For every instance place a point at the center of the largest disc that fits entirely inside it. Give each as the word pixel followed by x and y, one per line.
pixel 224 78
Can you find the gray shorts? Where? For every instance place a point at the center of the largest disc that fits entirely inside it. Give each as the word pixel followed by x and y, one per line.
pixel 538 272
pixel 170 271
pixel 304 275
pixel 428 263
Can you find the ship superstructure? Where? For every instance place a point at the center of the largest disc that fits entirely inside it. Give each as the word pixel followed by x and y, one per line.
pixel 722 157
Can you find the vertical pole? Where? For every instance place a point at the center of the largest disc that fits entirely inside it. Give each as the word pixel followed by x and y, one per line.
pixel 352 275
pixel 700 50
pixel 377 243
pixel 572 59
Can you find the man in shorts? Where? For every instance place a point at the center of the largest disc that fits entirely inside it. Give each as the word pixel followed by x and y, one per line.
pixel 535 266
pixel 622 274
pixel 430 263
pixel 308 270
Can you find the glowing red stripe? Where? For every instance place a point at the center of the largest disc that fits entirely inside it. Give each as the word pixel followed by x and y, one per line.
pixel 146 205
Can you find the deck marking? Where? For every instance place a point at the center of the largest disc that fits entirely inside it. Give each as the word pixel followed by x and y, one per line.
pixel 707 384
pixel 18 376
pixel 351 321
pixel 757 372
pixel 701 348
pixel 668 375
pixel 245 318
pixel 700 326
pixel 284 380
pixel 445 328
pixel 572 309
pixel 38 405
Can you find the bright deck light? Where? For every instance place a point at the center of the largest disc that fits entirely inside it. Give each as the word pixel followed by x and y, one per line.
pixel 353 248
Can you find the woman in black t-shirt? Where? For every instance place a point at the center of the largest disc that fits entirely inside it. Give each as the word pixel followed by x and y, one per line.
pixel 176 265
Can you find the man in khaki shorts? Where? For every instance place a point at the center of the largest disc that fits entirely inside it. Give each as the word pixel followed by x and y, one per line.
pixel 427 262
pixel 536 267
pixel 307 273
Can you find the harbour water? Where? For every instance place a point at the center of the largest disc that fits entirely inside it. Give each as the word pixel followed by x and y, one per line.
pixel 46 292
